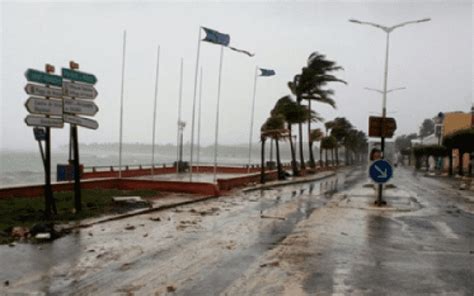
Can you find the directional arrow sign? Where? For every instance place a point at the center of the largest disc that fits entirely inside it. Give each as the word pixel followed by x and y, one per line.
pixel 380 171
pixel 80 91
pixel 32 120
pixel 80 107
pixel 44 106
pixel 43 77
pixel 78 76
pixel 43 91
pixel 84 122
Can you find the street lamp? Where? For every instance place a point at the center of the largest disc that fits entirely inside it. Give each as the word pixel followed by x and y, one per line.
pixel 381 91
pixel 387 30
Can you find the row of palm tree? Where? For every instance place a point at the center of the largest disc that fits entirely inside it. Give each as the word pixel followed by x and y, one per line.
pixel 310 85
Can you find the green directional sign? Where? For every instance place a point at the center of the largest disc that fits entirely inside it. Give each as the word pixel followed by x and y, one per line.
pixel 43 77
pixel 78 76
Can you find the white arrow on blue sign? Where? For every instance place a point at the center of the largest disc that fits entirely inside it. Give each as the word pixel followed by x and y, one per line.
pixel 380 171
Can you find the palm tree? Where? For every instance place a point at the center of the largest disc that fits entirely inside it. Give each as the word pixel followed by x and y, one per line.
pixel 328 125
pixel 292 114
pixel 328 142
pixel 340 130
pixel 309 86
pixel 315 136
pixel 274 128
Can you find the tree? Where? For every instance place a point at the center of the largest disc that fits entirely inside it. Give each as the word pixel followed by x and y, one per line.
pixel 328 142
pixel 426 128
pixel 292 114
pixel 340 129
pixel 274 128
pixel 316 135
pixel 308 85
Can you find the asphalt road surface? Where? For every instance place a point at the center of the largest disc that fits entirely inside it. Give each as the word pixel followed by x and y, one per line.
pixel 316 238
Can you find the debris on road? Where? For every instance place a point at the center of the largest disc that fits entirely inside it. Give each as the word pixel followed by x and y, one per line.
pixel 43 235
pixel 20 232
pixel 271 217
pixel 156 219
pixel 130 227
pixel 171 288
pixel 273 264
pixel 129 199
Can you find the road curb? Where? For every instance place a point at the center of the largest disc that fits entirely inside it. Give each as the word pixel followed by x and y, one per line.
pixel 316 177
pixel 137 213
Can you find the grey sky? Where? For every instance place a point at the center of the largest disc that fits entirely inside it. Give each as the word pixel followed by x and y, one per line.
pixel 433 60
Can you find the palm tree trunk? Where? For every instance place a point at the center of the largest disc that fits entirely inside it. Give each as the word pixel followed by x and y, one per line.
pixel 262 165
pixel 320 156
pixel 279 169
pixel 337 155
pixel 310 144
pixel 332 157
pixel 300 130
pixel 326 157
pixel 293 156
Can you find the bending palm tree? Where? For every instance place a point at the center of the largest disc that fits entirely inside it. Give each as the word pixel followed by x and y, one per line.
pixel 309 86
pixel 292 114
pixel 315 136
pixel 274 128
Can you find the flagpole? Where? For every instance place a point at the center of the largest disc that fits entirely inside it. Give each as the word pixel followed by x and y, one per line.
pixel 178 147
pixel 194 104
pixel 217 113
pixel 251 117
pixel 154 112
pixel 121 102
pixel 199 123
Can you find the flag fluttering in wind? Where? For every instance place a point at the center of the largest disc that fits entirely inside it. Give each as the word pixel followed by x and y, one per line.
pixel 219 38
pixel 215 37
pixel 241 51
pixel 266 72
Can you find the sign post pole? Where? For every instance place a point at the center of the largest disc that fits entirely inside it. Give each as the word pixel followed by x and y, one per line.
pixel 75 143
pixel 47 169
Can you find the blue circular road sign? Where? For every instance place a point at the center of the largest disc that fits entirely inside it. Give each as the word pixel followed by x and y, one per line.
pixel 380 171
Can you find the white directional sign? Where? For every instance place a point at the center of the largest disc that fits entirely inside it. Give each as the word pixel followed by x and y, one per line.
pixel 32 120
pixel 43 91
pixel 80 107
pixel 80 91
pixel 84 122
pixel 44 106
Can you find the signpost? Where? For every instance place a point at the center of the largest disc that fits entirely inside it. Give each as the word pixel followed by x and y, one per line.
pixel 47 107
pixel 72 74
pixel 80 107
pixel 83 90
pixel 79 91
pixel 43 77
pixel 43 91
pixel 44 106
pixel 376 123
pixel 63 110
pixel 380 171
pixel 32 120
pixel 81 121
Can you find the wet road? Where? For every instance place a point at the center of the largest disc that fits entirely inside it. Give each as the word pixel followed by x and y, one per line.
pixel 317 238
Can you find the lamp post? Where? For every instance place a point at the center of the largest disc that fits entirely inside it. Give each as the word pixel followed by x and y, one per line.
pixel 387 30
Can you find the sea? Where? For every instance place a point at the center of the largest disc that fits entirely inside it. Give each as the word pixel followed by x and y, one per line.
pixel 26 167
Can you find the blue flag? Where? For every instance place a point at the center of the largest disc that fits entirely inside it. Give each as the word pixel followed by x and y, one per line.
pixel 266 72
pixel 215 37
